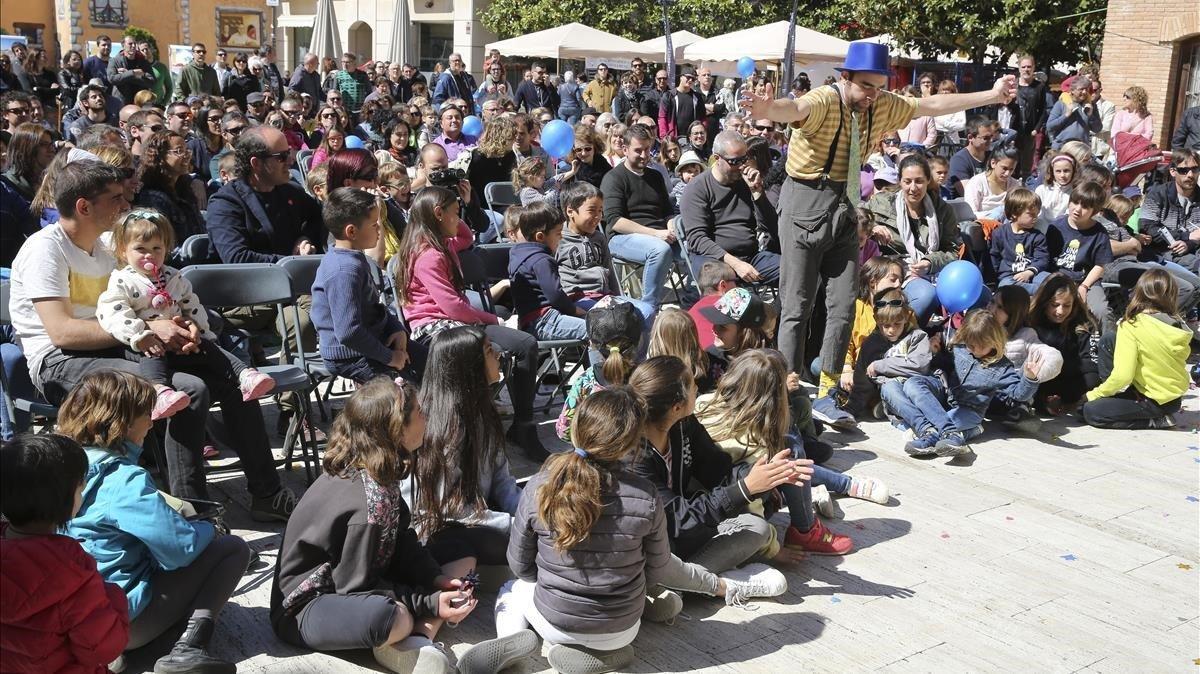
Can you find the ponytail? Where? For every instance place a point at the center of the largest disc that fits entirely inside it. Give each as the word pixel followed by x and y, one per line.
pixel 616 366
pixel 607 428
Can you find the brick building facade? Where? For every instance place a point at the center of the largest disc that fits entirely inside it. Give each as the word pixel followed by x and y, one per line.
pixel 1154 44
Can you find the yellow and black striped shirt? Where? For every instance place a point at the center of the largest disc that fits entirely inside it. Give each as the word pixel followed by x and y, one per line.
pixel 809 148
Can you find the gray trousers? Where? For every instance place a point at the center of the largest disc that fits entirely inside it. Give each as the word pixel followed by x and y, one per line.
pixel 738 540
pixel 818 239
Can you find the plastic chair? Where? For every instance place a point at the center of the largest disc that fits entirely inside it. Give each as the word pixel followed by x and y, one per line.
pixel 197 249
pixel 29 403
pixel 962 210
pixel 242 285
pixel 500 196
pixel 302 270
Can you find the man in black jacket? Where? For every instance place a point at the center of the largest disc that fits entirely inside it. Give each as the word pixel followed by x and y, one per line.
pixel 1187 134
pixel 714 110
pixel 1030 110
pixel 306 80
pixel 271 76
pixel 537 92
pixel 652 96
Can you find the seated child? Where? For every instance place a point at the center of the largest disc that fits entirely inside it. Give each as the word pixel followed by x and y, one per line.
pixel 1144 365
pixel 1079 247
pixel 352 574
pixel 1058 179
pixel 316 180
pixel 1018 249
pixel 945 410
pixel 542 307
pixel 674 334
pixel 170 568
pixel 940 168
pixel 1063 323
pixel 65 617
pixel 359 338
pixel 867 248
pixel 1010 304
pixel 614 330
pixel 715 279
pixel 690 165
pixel 145 290
pixel 986 192
pixel 530 181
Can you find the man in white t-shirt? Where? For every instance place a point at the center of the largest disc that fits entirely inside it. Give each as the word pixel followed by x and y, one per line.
pixel 58 276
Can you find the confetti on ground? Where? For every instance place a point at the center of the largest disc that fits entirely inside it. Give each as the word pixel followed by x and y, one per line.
pixel 1008 518
pixel 1069 557
pixel 1185 567
pixel 1193 499
pixel 945 535
pixel 835 600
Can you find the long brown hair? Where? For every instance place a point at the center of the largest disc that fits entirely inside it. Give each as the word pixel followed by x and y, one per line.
pixel 607 428
pixel 1156 292
pixel 674 334
pixel 1079 320
pixel 751 402
pixel 102 407
pixel 424 231
pixel 662 382
pixel 369 433
pixel 873 271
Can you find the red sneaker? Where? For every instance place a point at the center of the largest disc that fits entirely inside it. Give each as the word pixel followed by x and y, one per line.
pixel 818 540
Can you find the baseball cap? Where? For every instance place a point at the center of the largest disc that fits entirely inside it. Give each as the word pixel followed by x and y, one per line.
pixel 1132 192
pixel 614 322
pixel 737 306
pixel 253 98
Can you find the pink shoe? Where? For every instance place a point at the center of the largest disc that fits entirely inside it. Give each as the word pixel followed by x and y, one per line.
pixel 255 384
pixel 169 402
pixel 211 452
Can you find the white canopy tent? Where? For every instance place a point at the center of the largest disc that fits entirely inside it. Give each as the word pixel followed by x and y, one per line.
pixel 766 44
pixel 569 41
pixel 679 40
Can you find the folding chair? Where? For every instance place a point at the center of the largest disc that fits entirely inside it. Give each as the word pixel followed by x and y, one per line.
pixel 302 271
pixel 249 284
pixel 196 249
pixel 30 403
pixel 499 196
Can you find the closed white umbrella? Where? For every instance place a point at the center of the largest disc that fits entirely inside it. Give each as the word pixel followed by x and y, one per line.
pixel 326 42
pixel 401 49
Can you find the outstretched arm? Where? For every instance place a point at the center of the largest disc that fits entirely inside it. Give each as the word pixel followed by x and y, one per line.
pixel 1004 91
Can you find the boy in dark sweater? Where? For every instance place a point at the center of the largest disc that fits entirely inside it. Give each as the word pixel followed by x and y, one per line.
pixel 544 309
pixel 1019 253
pixel 360 339
pixel 1079 247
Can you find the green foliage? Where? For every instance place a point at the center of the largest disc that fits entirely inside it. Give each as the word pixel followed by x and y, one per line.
pixel 141 34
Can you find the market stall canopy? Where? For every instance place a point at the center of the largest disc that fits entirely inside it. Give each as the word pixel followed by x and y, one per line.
pixel 326 42
pixel 767 44
pixel 679 40
pixel 570 41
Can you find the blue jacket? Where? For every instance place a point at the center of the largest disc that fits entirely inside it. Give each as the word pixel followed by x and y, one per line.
pixel 447 88
pixel 971 385
pixel 1076 124
pixel 350 320
pixel 535 282
pixel 127 526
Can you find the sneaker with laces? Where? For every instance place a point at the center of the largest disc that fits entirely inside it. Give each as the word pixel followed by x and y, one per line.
pixel 578 660
pixel 254 384
pixel 827 411
pixel 952 444
pixel 1165 422
pixel 488 657
pixel 818 540
pixel 869 489
pixel 275 508
pixel 168 402
pixel 662 605
pixel 922 445
pixel 752 581
pixel 417 655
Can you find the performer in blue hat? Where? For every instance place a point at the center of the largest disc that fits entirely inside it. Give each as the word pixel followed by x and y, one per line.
pixel 833 128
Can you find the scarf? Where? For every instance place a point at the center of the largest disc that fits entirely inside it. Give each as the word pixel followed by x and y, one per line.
pixel 908 233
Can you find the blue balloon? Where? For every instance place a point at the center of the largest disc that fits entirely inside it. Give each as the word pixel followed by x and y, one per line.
pixel 746 67
pixel 472 126
pixel 959 286
pixel 558 138
pixel 354 142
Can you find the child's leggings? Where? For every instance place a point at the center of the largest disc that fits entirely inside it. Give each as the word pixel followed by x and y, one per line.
pixel 204 585
pixel 211 361
pixel 516 611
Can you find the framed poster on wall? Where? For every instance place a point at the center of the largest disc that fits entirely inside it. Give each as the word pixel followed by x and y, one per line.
pixel 239 28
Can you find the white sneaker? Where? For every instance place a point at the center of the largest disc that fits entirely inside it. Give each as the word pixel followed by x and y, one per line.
pixel 753 580
pixel 823 501
pixel 417 655
pixel 868 489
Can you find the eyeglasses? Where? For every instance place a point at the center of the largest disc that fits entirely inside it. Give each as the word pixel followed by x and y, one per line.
pixel 1185 170
pixel 153 128
pixel 584 148
pixel 764 128
pixel 182 115
pixel 879 304
pixel 639 65
pixel 660 79
pixel 199 51
pixel 221 54
pixel 291 113
pixel 333 99
pixel 235 130
pixel 180 152
pixel 23 110
pixel 891 141
pixel 282 155
pixel 214 120
pixel 736 161
pixel 328 115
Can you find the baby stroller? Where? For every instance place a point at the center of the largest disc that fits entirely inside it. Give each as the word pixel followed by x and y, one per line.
pixel 1135 156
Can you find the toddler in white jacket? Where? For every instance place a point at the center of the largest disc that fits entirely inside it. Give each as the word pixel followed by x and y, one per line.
pixel 144 290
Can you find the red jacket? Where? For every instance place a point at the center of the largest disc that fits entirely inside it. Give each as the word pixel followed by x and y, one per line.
pixel 56 613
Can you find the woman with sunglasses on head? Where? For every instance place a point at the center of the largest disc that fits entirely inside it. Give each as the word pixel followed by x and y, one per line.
pixel 241 83
pixel 206 141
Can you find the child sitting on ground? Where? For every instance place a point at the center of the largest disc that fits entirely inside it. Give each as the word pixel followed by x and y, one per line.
pixel 1063 323
pixel 170 568
pixel 1144 365
pixel 614 330
pixel 715 279
pixel 1018 249
pixel 352 573
pixel 67 617
pixel 1010 304
pixel 542 307
pixel 359 338
pixel 146 290
pixel 674 334
pixel 945 411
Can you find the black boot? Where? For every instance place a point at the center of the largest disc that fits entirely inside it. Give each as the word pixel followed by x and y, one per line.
pixel 190 654
pixel 524 435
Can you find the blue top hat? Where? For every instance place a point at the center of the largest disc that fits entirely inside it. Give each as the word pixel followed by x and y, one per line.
pixel 867 57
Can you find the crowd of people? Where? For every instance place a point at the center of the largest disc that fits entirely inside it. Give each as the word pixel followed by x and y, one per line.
pixel 690 424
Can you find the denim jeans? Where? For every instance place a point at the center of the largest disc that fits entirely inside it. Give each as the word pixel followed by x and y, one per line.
pixel 766 262
pixel 658 258
pixel 1031 286
pixel 921 403
pixel 555 325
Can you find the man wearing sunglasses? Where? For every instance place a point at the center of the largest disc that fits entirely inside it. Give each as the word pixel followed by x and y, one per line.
pixel 1171 212
pixel 142 124
pixel 834 128
pixel 197 77
pixel 724 208
pixel 652 96
pixel 536 92
pixel 677 111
